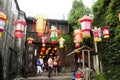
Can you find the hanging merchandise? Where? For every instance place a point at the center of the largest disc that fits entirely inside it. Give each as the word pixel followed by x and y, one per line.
pixel 85 25
pixel 61 42
pixel 77 37
pixel 53 34
pixel 3 21
pixel 19 28
pixel 43 40
pixel 40 25
pixel 97 34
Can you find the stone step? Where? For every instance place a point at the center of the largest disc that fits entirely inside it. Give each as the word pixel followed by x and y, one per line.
pixel 62 76
pixel 46 78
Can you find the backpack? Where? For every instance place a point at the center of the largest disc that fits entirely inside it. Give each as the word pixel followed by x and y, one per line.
pixel 38 63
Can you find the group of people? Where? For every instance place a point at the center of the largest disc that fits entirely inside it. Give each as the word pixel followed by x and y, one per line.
pixel 81 73
pixel 53 65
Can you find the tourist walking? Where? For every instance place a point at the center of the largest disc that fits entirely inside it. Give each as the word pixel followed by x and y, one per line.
pixel 50 66
pixel 39 66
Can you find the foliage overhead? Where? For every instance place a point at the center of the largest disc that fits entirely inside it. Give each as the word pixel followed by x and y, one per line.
pixel 78 11
pixel 106 14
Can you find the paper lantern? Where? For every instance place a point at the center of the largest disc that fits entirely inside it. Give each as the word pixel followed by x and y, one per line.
pixel 18 34
pixel 43 40
pixel 77 45
pixel 3 20
pixel 97 34
pixel 53 34
pixel 20 25
pixel 106 32
pixel 19 28
pixel 42 49
pixel 77 36
pixel 85 25
pixel 61 42
pixel 40 25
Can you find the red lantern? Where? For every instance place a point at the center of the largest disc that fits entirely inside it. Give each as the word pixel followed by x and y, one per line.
pixel 85 25
pixel 77 45
pixel 19 28
pixel 53 42
pixel 18 34
pixel 19 25
pixel 77 37
pixel 106 32
pixel 43 40
pixel 97 34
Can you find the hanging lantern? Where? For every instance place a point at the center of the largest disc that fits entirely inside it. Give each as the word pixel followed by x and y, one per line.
pixel 30 40
pixel 77 37
pixel 40 25
pixel 77 45
pixel 19 28
pixel 3 20
pixel 18 34
pixel 43 49
pixel 85 25
pixel 97 34
pixel 61 42
pixel 106 32
pixel 53 35
pixel 19 25
pixel 43 40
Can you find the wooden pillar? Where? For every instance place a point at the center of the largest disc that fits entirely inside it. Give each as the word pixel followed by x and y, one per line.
pixel 83 65
pixel 97 60
pixel 89 66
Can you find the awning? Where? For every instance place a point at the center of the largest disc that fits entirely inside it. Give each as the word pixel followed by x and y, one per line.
pixel 92 52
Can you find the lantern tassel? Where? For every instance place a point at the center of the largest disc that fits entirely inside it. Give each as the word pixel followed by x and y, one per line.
pixel 106 40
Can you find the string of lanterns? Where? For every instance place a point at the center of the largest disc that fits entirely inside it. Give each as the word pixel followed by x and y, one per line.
pixel 84 32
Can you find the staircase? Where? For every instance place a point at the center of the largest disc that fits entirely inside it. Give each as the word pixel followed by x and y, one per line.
pixel 62 76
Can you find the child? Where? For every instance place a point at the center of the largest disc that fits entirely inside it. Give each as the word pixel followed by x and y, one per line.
pixel 79 74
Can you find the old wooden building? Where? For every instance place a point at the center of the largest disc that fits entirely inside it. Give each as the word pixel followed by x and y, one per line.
pixel 32 52
pixel 10 52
